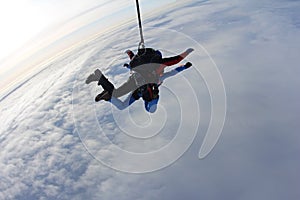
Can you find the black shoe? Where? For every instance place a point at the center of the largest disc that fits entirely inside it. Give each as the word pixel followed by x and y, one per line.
pixel 103 96
pixel 94 77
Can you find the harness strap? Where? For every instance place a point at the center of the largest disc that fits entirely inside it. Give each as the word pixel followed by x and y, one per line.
pixel 149 88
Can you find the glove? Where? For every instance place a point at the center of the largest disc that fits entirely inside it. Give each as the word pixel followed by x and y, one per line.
pixel 189 50
pixel 188 65
pixel 129 53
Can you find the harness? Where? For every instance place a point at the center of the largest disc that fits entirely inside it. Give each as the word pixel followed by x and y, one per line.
pixel 148 92
pixel 144 66
pixel 146 56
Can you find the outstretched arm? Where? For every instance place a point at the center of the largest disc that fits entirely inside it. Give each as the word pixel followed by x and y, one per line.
pixel 175 71
pixel 173 60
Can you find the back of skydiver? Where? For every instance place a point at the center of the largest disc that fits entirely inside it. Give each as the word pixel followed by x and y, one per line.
pixel 149 91
pixel 165 62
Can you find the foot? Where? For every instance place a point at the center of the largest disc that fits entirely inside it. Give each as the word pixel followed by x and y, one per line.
pixel 188 65
pixel 94 77
pixel 103 96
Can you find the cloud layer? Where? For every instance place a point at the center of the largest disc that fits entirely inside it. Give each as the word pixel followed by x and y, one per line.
pixel 255 46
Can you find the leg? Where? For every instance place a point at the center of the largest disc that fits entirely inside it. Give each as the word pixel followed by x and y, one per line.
pixel 127 87
pixel 121 105
pixel 102 80
pixel 151 106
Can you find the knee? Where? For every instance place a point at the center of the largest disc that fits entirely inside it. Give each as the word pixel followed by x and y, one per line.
pixel 152 109
pixel 151 106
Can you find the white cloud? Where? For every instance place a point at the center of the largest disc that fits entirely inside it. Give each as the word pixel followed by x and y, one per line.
pixel 257 157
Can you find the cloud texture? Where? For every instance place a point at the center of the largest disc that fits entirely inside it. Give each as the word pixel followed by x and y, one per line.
pixel 255 45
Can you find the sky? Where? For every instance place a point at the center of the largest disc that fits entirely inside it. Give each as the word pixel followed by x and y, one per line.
pixel 22 23
pixel 53 136
pixel 25 21
pixel 35 31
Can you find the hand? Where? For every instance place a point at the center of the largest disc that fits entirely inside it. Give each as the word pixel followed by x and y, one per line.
pixel 188 65
pixel 129 53
pixel 189 50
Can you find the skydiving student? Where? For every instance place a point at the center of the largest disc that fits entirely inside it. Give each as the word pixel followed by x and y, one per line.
pixel 147 67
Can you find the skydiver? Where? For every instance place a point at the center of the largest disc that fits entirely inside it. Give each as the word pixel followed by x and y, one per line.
pixel 145 79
